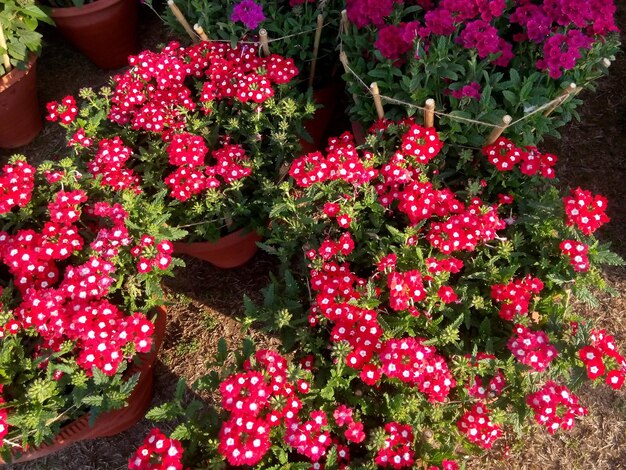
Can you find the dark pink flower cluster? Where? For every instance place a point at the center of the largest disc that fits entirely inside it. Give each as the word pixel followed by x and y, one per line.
pixel 112 233
pixel 366 12
pixel 65 111
pixel 16 185
pixel 477 426
pixel 577 253
pixel 152 255
pixel 109 162
pixel 505 156
pixel 158 452
pixel 585 211
pixel 342 162
pixel 603 349
pixel 397 451
pixel 310 438
pixel 471 91
pixel 445 465
pixel 514 297
pixel 562 51
pixel 532 348
pixel 248 12
pixel 555 407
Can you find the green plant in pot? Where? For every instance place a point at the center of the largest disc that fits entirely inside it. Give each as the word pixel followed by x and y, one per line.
pixel 202 132
pixel 80 307
pixel 20 44
pixel 106 31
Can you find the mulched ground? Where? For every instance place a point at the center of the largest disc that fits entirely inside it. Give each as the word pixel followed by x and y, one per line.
pixel 207 300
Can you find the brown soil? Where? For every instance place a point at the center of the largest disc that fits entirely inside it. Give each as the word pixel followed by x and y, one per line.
pixel 206 301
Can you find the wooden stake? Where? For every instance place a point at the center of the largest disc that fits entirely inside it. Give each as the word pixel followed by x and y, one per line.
pixel 198 29
pixel 571 88
pixel 377 101
pixel 343 24
pixel 498 130
pixel 5 55
pixel 316 47
pixel 182 20
pixel 343 58
pixel 429 113
pixel 265 42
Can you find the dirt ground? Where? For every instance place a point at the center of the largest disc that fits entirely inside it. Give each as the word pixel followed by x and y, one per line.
pixel 207 300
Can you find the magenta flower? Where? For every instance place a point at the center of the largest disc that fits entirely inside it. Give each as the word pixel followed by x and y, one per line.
pixel 249 13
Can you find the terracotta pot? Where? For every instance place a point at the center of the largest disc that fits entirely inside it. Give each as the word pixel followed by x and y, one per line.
pixel 117 421
pixel 20 121
pixel 231 251
pixel 317 126
pixel 105 31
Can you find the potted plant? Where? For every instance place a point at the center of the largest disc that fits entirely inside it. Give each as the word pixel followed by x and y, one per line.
pixel 479 61
pixel 202 132
pixel 438 302
pixel 293 28
pixel 81 308
pixel 20 44
pixel 106 31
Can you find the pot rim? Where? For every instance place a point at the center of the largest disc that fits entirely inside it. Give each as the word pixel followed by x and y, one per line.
pixel 15 74
pixel 71 12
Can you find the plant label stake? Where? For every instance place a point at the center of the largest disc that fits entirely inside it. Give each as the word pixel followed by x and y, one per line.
pixel 265 42
pixel 316 47
pixel 499 129
pixel 565 94
pixel 200 32
pixel 5 55
pixel 429 113
pixel 377 101
pixel 182 20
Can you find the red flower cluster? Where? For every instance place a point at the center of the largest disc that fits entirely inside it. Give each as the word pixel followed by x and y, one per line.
pixel 398 449
pixel 151 95
pixel 152 255
pixel 577 253
pixel 532 348
pixel 193 177
pixel 76 309
pixel 405 289
pixel 477 387
pixel 65 111
pixel 478 428
pixel 465 231
pixel 158 452
pixel 505 156
pixel 411 361
pixel 342 162
pixel 4 414
pixel 253 399
pixel 16 185
pixel 309 438
pixel 515 296
pixel 109 162
pixel 585 211
pixel 421 143
pixel 603 348
pixel 555 407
